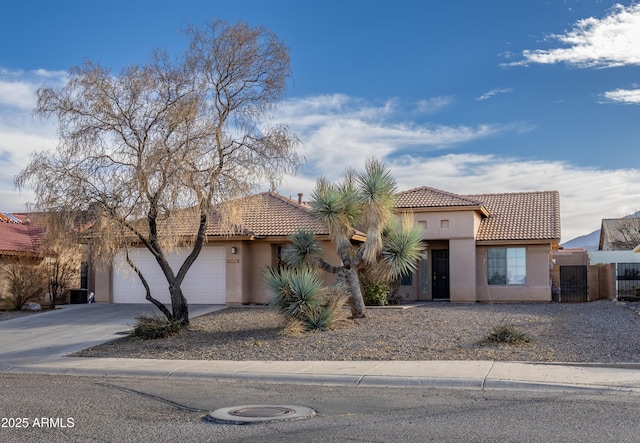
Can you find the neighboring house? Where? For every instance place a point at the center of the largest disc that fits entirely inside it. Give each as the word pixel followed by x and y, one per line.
pixel 618 238
pixel 491 247
pixel 19 242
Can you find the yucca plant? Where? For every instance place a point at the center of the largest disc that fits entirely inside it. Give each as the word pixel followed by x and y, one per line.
pixel 507 333
pixel 328 315
pixel 155 325
pixel 361 203
pixel 299 294
pixel 294 290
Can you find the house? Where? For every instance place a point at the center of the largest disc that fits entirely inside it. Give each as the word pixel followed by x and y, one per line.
pixel 618 238
pixel 230 267
pixel 488 247
pixel 19 243
pixel 483 247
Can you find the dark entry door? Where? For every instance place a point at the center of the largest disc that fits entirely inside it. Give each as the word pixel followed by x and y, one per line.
pixel 440 274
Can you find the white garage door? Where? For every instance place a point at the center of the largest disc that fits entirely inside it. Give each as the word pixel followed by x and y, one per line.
pixel 203 284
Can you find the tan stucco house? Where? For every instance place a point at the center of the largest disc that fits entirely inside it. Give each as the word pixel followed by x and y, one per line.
pixel 491 247
pixel 483 247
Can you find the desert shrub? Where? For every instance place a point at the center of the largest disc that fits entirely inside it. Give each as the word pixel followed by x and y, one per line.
pixel 507 333
pixel 299 294
pixel 24 282
pixel 376 294
pixel 153 326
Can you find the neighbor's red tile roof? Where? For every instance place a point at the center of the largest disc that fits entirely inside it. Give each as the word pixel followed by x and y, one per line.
pixel 511 216
pixel 18 236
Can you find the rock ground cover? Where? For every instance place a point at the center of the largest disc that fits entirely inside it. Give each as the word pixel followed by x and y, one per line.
pixel 602 332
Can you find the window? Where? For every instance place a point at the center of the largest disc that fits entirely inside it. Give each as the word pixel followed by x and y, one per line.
pixel 506 266
pixel 407 280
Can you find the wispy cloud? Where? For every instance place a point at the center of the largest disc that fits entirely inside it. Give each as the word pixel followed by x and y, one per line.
pixel 626 96
pixel 606 42
pixel 337 129
pixel 494 92
pixel 20 134
pixel 434 104
pixel 340 132
pixel 18 88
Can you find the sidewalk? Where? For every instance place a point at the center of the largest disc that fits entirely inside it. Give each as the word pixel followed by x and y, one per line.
pixel 476 375
pixel 37 344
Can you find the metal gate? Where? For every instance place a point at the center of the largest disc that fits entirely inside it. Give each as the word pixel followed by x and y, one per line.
pixel 573 284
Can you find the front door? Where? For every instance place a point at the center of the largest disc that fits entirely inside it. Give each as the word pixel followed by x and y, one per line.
pixel 440 274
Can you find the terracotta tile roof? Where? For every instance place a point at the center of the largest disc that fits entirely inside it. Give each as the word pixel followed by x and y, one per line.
pixel 18 236
pixel 511 216
pixel 520 216
pixel 426 197
pixel 269 214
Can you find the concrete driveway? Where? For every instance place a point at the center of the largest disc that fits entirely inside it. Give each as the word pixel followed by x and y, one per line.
pixel 71 328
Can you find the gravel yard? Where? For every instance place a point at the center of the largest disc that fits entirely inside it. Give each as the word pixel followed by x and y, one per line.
pixel 602 331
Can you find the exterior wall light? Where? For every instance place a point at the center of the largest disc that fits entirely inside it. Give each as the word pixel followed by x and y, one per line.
pixel 234 250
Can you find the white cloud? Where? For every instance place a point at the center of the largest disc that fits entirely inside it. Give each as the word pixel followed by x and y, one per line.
pixel 340 130
pixel 586 195
pixel 628 96
pixel 493 92
pixel 18 88
pixel 434 104
pixel 608 42
pixel 20 134
pixel 338 134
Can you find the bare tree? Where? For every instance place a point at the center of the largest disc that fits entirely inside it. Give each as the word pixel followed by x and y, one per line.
pixel 152 149
pixel 624 233
pixel 62 251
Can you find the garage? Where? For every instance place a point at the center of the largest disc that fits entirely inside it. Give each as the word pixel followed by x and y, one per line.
pixel 203 284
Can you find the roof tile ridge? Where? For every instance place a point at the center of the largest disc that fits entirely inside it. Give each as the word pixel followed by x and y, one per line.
pixel 289 201
pixel 440 191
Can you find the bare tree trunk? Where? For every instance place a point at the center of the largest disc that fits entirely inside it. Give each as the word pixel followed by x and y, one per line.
pixel 157 303
pixel 179 305
pixel 358 309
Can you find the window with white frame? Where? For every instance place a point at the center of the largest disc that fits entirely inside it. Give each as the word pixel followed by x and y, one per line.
pixel 506 266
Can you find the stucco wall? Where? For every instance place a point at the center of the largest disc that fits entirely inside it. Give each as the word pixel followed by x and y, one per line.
pixel 537 287
pixel 260 256
pixel 102 281
pixel 462 270
pixel 445 225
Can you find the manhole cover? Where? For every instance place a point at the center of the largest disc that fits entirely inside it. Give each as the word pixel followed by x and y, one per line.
pixel 260 413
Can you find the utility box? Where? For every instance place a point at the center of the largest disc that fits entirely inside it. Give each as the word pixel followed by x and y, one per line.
pixel 78 296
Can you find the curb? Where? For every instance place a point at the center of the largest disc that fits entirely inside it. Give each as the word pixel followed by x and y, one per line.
pixel 355 381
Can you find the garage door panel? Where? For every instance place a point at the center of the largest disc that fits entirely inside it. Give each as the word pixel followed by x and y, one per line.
pixel 203 284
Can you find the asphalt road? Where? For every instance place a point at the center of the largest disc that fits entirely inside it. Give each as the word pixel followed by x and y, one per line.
pixel 71 408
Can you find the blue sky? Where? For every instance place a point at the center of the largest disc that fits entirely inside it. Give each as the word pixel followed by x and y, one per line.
pixel 467 96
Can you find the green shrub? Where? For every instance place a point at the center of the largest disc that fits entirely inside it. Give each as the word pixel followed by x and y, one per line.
pixel 507 333
pixel 154 326
pixel 376 294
